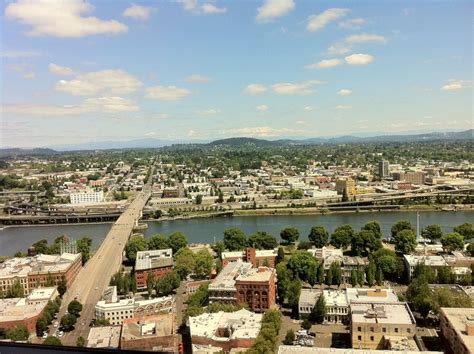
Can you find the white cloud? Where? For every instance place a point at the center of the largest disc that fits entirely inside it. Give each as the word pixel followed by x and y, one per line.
pixel 354 23
pixel 212 9
pixel 274 8
pixel 317 22
pixel 338 49
pixel 365 38
pixel 198 78
pixel 308 108
pixel 262 108
pixel 109 82
pixel 456 85
pixel 343 106
pixel 138 12
pixel 60 70
pixel 300 122
pixel 325 64
pixel 255 89
pixel 302 88
pixel 25 70
pixel 344 92
pixel 359 59
pixel 193 7
pixel 15 54
pixel 150 134
pixel 263 131
pixel 167 93
pixel 209 112
pixel 58 18
pixel 112 104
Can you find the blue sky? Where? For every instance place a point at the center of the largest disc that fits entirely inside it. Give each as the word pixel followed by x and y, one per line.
pixel 78 71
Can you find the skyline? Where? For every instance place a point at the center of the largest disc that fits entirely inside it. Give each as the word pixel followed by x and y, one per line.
pixel 194 70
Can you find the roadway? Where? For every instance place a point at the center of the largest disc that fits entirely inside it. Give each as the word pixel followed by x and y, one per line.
pixel 94 277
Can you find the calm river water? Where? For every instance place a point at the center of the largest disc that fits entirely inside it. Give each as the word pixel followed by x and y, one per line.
pixel 13 239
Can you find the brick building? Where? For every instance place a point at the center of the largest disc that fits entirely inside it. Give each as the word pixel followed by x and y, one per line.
pixel 258 258
pixel 257 288
pixel 457 329
pixel 156 262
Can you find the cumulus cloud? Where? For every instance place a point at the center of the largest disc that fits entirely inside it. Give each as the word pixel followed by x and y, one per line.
pixel 272 9
pixel 60 70
pixel 58 18
pixel 138 12
pixel 111 104
pixel 15 54
pixel 339 48
pixel 325 64
pixel 255 89
pixel 456 85
pixel 198 78
pixel 212 9
pixel 262 108
pixel 343 106
pixel 344 92
pixel 195 8
pixel 301 88
pixel 209 112
pixel 167 93
pixel 308 108
pixel 354 23
pixel 365 38
pixel 359 59
pixel 317 22
pixel 109 82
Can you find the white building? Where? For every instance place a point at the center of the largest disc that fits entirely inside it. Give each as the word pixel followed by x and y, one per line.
pixel 87 197
pixel 307 300
pixel 411 261
pixel 116 310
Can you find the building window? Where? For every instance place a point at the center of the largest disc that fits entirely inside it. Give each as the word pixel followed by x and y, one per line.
pixel 359 329
pixel 396 330
pixel 372 338
pixel 371 329
pixel 408 330
pixel 359 338
pixel 384 330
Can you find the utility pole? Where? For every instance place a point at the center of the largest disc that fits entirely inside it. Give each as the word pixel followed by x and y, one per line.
pixel 417 225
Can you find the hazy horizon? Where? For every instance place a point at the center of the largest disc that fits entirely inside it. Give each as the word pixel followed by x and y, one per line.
pixel 90 71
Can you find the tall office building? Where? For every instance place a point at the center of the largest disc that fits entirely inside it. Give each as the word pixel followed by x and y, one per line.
pixel 383 168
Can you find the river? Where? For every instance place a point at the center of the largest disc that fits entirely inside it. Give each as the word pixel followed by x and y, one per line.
pixel 13 239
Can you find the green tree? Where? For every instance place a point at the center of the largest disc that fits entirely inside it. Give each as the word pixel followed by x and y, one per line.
pixel 177 240
pixel 354 279
pixel 185 262
pixel 262 240
pixel 41 246
pixel 68 321
pixel 328 279
pixel 80 342
pixel 342 236
pixel 370 273
pixel 373 226
pixel 62 286
pixel 320 273
pixel 293 294
pixel 379 276
pixel 400 226
pixel 49 280
pixel 405 241
pixel 466 229
pixel 289 338
pixel 155 242
pixel 167 284
pixel 50 340
pixel 445 275
pixel 306 324
pixel 74 308
pixel 336 273
pixel 18 333
pixel 470 249
pixel 235 239
pixel 432 232
pixel 204 264
pixel 220 198
pixel 134 245
pixel 319 310
pixel 280 255
pixel 284 278
pixel 365 242
pixel 199 199
pixel 16 290
pixel 452 242
pixel 301 264
pixel 290 235
pixel 387 261
pixel 150 283
pixel 318 236
pixel 133 281
pixel 41 326
pixel 84 247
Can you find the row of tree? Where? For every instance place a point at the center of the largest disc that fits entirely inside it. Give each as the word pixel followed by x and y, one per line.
pixel 83 246
pixel 175 241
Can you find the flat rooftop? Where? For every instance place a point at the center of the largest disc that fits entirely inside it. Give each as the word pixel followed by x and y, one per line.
pixel 241 324
pixel 309 296
pixel 104 337
pixel 154 259
pixel 458 317
pixel 371 295
pixel 287 349
pixel 149 326
pixel 395 313
pixel 432 261
pixel 226 278
pixel 261 274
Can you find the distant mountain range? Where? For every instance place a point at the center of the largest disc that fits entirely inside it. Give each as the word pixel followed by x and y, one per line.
pixel 240 141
